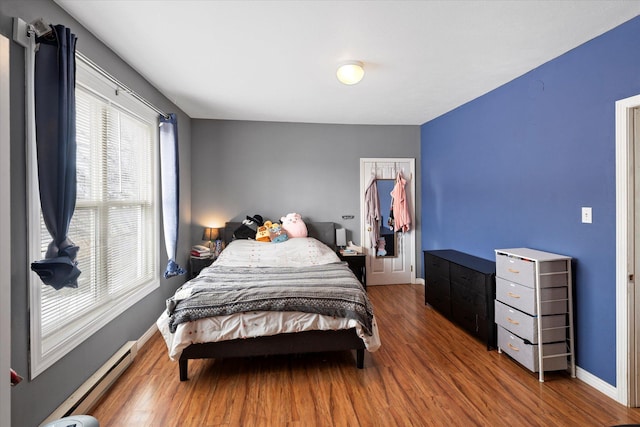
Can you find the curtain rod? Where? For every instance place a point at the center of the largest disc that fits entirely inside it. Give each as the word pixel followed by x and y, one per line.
pixel 21 32
pixel 82 57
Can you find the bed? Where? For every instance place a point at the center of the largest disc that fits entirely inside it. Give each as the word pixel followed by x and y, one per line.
pixel 270 298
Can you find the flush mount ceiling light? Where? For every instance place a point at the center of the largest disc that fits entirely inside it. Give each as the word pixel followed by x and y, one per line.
pixel 350 72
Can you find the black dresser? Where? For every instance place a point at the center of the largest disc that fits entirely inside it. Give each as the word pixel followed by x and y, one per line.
pixel 463 287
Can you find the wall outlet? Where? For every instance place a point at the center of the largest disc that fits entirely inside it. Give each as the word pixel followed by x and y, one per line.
pixel 586 215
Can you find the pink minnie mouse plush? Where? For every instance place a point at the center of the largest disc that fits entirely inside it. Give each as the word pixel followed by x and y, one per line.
pixel 294 225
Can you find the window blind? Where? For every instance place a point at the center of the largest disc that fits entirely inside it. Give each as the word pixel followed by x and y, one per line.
pixel 115 222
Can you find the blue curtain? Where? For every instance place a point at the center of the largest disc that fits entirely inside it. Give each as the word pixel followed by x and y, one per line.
pixel 170 190
pixel 55 111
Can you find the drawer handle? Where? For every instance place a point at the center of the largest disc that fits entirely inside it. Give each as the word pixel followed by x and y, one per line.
pixel 513 347
pixel 513 322
pixel 512 295
pixel 514 271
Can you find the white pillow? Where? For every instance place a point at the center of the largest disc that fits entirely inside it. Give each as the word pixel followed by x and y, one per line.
pixel 297 252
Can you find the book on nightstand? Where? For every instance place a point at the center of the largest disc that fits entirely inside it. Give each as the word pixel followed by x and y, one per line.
pixel 348 252
pixel 351 249
pixel 199 251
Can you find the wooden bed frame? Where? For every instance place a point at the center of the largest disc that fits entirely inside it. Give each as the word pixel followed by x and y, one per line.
pixel 292 343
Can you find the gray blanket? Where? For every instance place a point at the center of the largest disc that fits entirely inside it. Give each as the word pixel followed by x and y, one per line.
pixel 330 290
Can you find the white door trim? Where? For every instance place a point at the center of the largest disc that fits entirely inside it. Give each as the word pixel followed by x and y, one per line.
pixel 625 300
pixel 5 230
pixel 412 200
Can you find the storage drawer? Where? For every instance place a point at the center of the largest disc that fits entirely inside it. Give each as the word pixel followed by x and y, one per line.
pixel 467 300
pixel 439 299
pixel 527 354
pixel 522 271
pixel 478 326
pixel 436 267
pixel 553 300
pixel 515 269
pixel 473 281
pixel 526 326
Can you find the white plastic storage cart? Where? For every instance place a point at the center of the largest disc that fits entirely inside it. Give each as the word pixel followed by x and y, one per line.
pixel 534 309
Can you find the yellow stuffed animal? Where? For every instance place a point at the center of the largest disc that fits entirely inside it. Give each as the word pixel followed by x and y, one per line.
pixel 262 234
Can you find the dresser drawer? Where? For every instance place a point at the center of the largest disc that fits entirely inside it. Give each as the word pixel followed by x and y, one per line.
pixel 526 326
pixel 515 269
pixel 527 354
pixel 474 323
pixel 471 302
pixel 436 267
pixel 553 300
pixel 473 281
pixel 522 271
pixel 439 298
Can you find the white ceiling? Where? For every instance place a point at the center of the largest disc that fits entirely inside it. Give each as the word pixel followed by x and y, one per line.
pixel 276 60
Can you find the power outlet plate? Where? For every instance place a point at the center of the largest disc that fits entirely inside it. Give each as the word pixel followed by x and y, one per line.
pixel 587 218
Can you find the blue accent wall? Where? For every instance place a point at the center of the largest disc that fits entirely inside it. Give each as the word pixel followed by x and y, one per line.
pixel 513 168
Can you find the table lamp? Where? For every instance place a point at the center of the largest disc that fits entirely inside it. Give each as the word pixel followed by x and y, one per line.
pixel 210 234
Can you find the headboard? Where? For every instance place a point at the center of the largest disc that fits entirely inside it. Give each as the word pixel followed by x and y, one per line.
pixel 323 231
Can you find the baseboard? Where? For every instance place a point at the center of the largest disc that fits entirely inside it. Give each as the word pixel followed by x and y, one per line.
pixel 420 281
pixel 146 336
pixel 86 396
pixel 595 382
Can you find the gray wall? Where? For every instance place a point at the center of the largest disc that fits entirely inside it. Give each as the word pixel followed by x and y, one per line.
pixel 33 401
pixel 243 168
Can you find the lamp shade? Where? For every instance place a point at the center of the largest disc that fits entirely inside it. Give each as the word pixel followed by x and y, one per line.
pixel 350 72
pixel 210 234
pixel 341 237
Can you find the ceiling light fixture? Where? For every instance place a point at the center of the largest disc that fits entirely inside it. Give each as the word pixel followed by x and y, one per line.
pixel 350 72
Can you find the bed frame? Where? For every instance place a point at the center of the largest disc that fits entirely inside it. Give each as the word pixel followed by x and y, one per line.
pixel 299 342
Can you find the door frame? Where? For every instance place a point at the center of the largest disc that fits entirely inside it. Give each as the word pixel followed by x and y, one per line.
pixel 412 206
pixel 627 301
pixel 5 230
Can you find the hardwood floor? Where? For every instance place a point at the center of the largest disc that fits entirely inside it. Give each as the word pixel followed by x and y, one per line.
pixel 427 373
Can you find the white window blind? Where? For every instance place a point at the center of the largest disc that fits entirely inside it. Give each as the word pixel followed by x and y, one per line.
pixel 115 223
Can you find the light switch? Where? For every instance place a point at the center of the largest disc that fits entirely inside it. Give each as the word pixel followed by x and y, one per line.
pixel 586 215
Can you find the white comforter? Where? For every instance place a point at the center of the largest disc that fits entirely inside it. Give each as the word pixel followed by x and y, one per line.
pixel 293 252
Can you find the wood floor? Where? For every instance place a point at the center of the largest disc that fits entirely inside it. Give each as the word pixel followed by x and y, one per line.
pixel 427 373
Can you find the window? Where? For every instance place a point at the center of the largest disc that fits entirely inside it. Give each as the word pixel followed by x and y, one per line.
pixel 115 224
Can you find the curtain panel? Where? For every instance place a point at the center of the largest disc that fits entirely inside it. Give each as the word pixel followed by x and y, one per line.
pixel 170 190
pixel 55 117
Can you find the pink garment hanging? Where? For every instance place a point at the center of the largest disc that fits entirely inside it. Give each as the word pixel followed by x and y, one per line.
pixel 401 216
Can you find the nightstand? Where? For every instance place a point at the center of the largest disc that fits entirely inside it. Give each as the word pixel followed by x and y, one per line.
pixel 357 264
pixel 197 264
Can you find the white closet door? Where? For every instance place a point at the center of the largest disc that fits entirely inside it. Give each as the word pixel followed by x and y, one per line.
pixel 399 268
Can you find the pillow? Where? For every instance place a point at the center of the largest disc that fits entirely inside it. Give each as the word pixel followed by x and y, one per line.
pixel 294 225
pixel 290 253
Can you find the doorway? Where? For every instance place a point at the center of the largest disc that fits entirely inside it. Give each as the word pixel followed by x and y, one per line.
pixel 627 250
pixel 634 252
pixel 392 259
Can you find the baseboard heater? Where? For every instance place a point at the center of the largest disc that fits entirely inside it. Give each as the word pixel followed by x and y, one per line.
pixel 88 394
